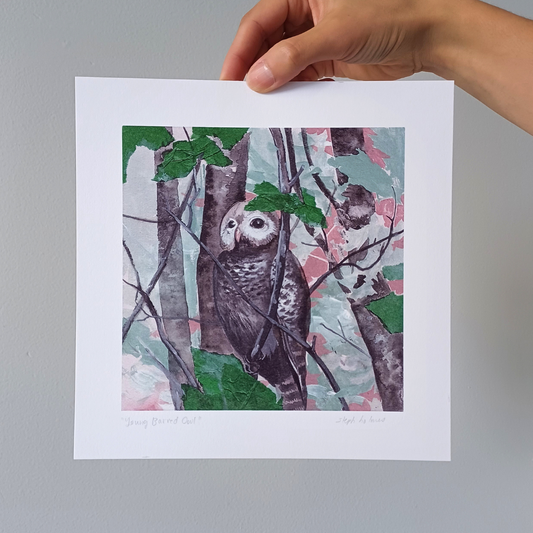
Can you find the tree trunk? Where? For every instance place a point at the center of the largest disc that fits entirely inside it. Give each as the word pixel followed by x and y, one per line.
pixel 386 351
pixel 224 186
pixel 172 294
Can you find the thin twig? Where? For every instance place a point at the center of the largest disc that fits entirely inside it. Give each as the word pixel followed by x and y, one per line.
pixel 165 317
pixel 344 338
pixel 295 175
pixel 387 242
pixel 130 256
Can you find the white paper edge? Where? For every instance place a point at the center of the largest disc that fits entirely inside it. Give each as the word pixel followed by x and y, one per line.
pixel 422 431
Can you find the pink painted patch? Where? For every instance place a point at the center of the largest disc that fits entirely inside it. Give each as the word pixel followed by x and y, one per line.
pixel 335 236
pixel 315 265
pixel 329 150
pixel 371 397
pixel 374 154
pixel 385 208
pixel 365 406
pixel 250 195
pixel 319 131
pixel 134 399
pixel 396 286
pixel 311 405
pixel 320 347
pixel 312 379
pixel 200 202
pixel 194 325
pixel 397 244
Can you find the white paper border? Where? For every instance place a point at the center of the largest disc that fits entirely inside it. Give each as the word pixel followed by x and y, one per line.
pixel 422 431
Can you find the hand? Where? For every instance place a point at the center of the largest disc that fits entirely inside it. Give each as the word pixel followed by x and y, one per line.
pixel 310 39
pixel 487 51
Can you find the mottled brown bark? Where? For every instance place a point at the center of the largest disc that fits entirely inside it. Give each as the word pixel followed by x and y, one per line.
pixel 224 186
pixel 385 348
pixel 386 351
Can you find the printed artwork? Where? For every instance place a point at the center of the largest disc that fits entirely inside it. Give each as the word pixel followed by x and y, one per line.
pixel 262 268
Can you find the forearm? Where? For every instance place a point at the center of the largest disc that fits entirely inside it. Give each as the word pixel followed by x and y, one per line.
pixel 489 54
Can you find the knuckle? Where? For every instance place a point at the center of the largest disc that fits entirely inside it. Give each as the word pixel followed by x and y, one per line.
pixel 291 53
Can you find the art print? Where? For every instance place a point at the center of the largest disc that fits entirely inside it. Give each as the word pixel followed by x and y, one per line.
pixel 263 268
pixel 263 276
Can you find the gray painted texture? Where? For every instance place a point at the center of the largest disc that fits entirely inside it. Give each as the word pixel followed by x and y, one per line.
pixel 487 487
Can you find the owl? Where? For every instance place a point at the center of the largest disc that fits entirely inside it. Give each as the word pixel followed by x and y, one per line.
pixel 249 241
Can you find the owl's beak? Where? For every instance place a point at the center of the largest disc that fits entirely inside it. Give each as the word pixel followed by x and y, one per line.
pixel 237 235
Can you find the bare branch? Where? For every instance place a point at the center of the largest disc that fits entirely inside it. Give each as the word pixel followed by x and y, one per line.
pixel 386 243
pixel 164 338
pixel 162 263
pixel 320 238
pixel 344 338
pixel 345 261
pixel 130 256
pixel 321 185
pixel 296 181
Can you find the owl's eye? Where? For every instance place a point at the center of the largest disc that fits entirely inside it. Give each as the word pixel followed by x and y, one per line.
pixel 257 223
pixel 232 224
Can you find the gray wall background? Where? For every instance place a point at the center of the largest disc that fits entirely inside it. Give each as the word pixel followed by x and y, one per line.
pixel 487 487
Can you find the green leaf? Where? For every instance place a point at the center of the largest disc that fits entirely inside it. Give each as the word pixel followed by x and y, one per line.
pixel 153 137
pixel 179 162
pixel 266 188
pixel 226 386
pixel 309 213
pixel 393 273
pixel 270 199
pixel 390 311
pixel 229 137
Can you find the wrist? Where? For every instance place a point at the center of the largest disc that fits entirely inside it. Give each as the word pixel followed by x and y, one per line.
pixel 451 37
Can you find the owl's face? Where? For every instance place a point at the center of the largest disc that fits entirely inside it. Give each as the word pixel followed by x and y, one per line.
pixel 247 228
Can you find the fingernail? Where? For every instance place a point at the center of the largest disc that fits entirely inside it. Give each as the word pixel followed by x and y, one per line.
pixel 260 77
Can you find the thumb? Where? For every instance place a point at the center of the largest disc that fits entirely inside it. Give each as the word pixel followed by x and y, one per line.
pixel 285 60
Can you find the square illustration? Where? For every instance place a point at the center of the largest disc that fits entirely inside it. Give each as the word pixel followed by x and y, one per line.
pixel 263 268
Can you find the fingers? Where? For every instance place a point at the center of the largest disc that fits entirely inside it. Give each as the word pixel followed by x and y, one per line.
pixel 291 57
pixel 264 21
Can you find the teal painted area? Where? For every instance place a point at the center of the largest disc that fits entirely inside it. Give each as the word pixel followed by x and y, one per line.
pixel 361 170
pixel 138 339
pixel 391 141
pixel 393 273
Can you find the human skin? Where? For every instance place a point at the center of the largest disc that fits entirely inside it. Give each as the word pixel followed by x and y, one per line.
pixel 487 51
